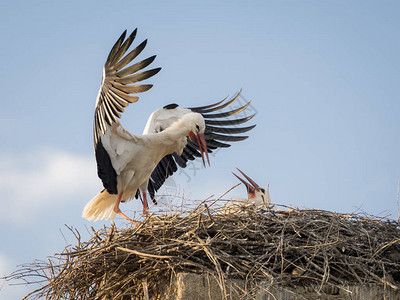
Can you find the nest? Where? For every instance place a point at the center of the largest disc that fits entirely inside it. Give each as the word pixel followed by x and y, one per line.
pixel 282 246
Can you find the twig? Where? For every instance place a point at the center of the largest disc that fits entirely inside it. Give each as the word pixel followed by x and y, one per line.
pixel 145 289
pixel 143 254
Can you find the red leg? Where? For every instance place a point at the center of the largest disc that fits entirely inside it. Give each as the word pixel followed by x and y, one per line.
pixel 118 211
pixel 145 206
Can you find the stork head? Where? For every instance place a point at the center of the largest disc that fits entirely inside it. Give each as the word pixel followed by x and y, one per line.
pixel 255 193
pixel 197 126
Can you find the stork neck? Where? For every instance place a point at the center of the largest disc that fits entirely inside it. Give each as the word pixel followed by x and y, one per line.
pixel 175 133
pixel 174 137
pixel 178 129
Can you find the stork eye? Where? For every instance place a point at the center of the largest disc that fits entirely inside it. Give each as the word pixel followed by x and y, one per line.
pixel 197 127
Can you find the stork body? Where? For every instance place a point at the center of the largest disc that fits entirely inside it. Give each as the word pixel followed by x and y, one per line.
pixel 127 163
pixel 134 157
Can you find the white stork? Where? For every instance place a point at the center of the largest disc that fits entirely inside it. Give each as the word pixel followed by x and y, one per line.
pixel 218 133
pixel 127 163
pixel 255 193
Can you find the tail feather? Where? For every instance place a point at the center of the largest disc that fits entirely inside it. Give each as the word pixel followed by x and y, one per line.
pixel 100 207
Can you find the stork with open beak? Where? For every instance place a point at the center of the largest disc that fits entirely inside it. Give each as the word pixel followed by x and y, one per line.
pixel 255 193
pixel 128 163
pixel 222 128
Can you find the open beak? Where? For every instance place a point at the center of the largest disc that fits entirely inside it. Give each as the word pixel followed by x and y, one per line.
pixel 201 141
pixel 251 186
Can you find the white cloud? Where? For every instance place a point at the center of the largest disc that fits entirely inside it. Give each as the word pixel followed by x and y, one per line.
pixel 31 182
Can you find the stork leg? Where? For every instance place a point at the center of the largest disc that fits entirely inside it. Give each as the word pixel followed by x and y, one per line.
pixel 118 211
pixel 145 206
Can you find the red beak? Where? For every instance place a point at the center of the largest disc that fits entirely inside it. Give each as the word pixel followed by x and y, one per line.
pixel 202 147
pixel 252 186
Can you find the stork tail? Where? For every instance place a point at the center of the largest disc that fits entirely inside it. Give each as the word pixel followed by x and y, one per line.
pixel 100 207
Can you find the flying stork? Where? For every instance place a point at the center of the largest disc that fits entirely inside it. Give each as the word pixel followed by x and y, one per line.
pixel 128 163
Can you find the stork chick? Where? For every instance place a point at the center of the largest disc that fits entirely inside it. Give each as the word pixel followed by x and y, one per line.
pixel 255 193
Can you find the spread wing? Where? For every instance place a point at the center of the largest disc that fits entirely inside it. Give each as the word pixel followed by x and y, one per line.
pixel 118 82
pixel 114 95
pixel 222 128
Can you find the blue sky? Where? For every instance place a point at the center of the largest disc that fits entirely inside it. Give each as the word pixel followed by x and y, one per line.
pixel 322 75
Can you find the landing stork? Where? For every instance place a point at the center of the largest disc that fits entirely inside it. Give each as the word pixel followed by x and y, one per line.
pixel 128 163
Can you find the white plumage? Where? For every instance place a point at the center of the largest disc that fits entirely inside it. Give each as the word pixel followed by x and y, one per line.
pixel 134 157
pixel 126 162
pixel 163 118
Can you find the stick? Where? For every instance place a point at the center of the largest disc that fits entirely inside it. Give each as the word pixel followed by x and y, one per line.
pixel 143 254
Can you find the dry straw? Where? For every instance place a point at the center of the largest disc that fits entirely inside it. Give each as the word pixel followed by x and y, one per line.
pixel 284 246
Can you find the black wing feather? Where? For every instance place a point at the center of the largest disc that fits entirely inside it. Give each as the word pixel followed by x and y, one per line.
pixel 115 91
pixel 105 170
pixel 216 124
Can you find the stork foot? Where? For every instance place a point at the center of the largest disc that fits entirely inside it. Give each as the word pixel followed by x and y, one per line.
pixel 119 212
